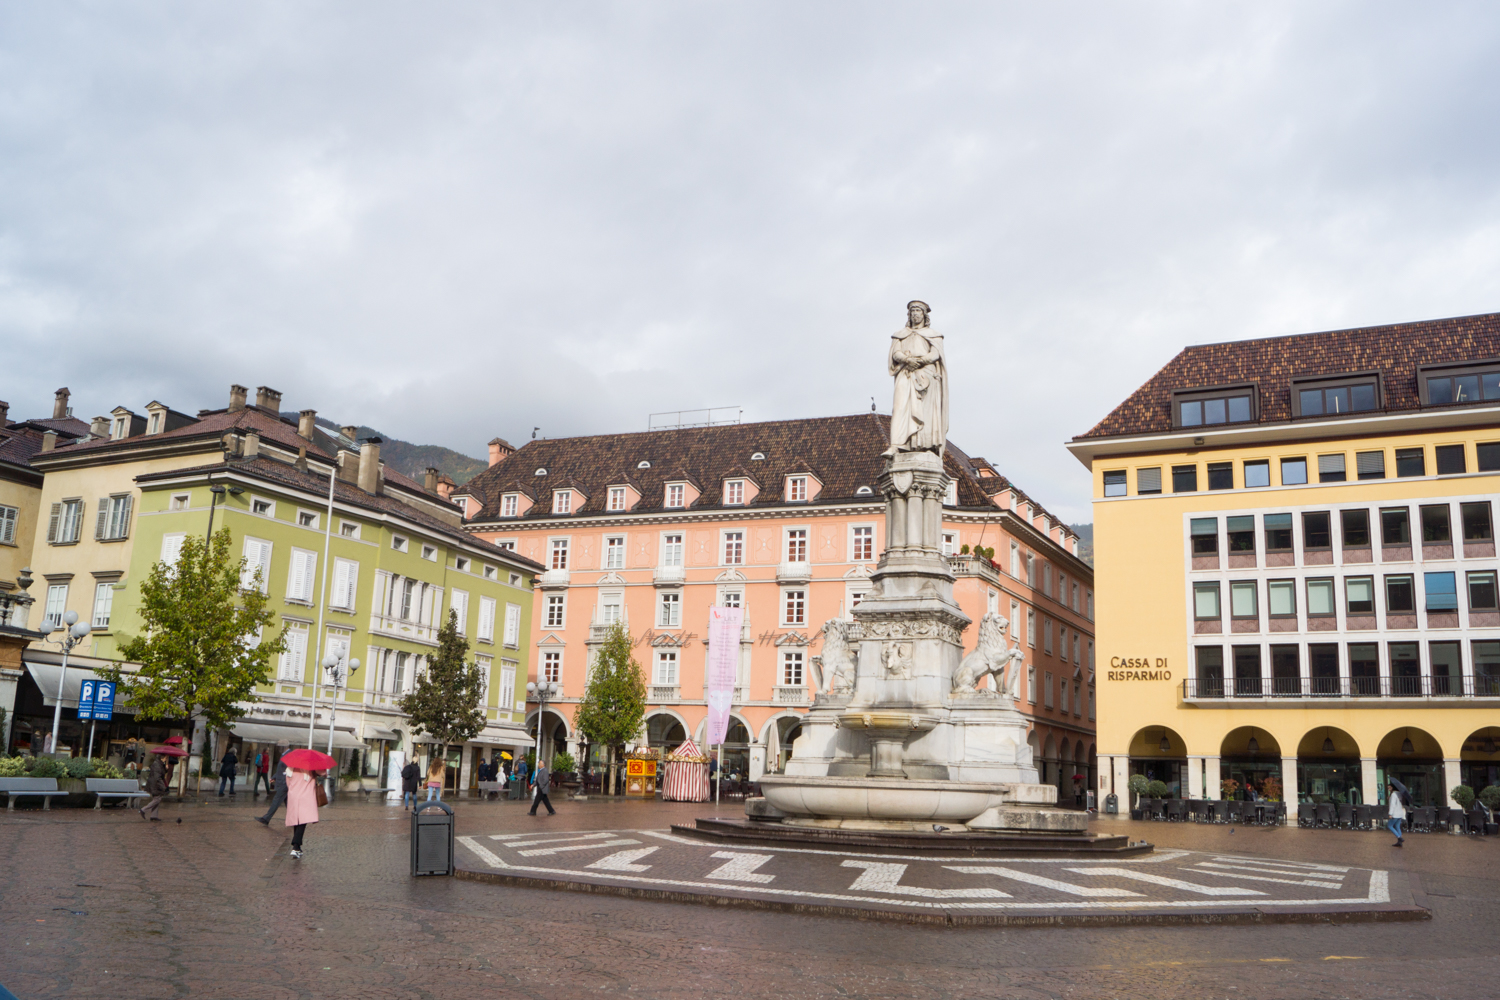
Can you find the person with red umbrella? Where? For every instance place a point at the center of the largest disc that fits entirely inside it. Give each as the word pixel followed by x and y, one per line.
pixel 302 789
pixel 159 780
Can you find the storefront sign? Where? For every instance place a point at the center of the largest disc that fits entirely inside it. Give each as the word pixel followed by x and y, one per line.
pixel 1125 668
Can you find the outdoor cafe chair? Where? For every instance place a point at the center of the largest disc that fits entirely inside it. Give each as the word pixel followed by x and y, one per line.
pixel 1362 815
pixel 1346 816
pixel 1176 810
pixel 1307 814
pixel 1235 808
pixel 1220 812
pixel 1476 822
pixel 1325 814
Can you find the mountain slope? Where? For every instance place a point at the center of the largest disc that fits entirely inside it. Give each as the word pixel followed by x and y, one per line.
pixel 414 459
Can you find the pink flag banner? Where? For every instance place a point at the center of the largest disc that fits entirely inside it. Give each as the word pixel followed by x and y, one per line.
pixel 723 663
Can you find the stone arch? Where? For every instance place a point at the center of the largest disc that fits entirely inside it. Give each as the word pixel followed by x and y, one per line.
pixel 665 728
pixel 1147 742
pixel 1424 746
pixel 784 721
pixel 1328 742
pixel 1236 743
pixel 1482 745
pixel 553 714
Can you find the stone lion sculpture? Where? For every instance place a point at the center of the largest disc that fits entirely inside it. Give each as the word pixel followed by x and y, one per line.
pixel 839 660
pixel 991 658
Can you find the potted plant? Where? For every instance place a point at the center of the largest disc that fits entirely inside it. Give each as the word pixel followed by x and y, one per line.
pixel 1271 788
pixel 1464 796
pixel 1228 787
pixel 1138 784
pixel 564 767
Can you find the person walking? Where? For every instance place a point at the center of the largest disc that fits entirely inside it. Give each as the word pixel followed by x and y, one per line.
pixel 436 772
pixel 1397 799
pixel 279 797
pixel 156 787
pixel 301 804
pixel 542 782
pixel 410 775
pixel 262 773
pixel 227 765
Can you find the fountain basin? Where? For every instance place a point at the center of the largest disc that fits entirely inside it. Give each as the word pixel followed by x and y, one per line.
pixel 885 800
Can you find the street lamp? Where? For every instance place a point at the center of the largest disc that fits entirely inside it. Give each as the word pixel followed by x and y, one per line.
pixel 77 631
pixel 218 491
pixel 335 663
pixel 541 694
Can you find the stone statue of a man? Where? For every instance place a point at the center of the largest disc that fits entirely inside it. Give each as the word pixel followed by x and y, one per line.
pixel 919 415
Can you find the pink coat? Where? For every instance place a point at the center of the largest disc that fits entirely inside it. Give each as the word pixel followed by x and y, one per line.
pixel 301 798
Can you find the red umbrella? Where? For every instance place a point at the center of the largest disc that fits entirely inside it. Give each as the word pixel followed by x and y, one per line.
pixel 169 751
pixel 173 741
pixel 308 760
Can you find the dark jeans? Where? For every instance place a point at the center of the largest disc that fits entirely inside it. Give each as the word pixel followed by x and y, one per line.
pixel 229 779
pixel 261 777
pixel 542 800
pixel 276 801
pixel 297 836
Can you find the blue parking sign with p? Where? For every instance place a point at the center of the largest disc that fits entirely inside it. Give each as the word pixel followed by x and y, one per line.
pixel 104 701
pixel 86 700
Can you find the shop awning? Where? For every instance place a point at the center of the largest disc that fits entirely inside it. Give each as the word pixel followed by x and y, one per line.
pixel 376 733
pixel 45 675
pixel 296 736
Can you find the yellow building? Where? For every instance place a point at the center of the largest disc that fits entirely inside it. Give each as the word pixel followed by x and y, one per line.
pixel 1296 568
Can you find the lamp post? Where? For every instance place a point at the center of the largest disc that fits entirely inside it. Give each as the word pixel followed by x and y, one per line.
pixel 542 693
pixel 335 664
pixel 218 491
pixel 77 631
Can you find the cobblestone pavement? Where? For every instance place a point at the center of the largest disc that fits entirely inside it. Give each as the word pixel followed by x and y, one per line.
pixel 106 905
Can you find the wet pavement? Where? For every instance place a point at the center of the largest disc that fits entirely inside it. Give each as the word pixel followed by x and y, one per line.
pixel 106 905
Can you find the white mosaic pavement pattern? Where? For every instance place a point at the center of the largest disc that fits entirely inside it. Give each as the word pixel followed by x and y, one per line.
pixel 656 859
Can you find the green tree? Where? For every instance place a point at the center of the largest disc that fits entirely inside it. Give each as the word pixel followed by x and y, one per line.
pixel 204 647
pixel 447 701
pixel 615 701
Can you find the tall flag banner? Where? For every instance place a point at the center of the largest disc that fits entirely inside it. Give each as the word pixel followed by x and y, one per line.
pixel 723 662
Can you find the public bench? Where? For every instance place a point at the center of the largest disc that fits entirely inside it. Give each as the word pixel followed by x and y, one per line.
pixel 114 788
pixel 14 788
pixel 489 788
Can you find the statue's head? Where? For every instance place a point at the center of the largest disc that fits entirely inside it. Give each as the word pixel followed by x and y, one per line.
pixel 916 314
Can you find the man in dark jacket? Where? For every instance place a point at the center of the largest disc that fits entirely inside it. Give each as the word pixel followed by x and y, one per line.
pixel 279 783
pixel 227 766
pixel 410 775
pixel 542 781
pixel 156 787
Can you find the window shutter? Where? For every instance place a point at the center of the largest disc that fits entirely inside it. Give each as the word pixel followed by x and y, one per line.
pixel 340 584
pixel 296 578
pixel 127 506
pixel 434 606
pixel 351 583
pixel 1370 462
pixel 53 521
pixel 1148 480
pixel 1330 463
pixel 101 522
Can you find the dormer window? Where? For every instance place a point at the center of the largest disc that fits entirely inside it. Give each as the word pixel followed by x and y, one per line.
pixel 155 425
pixel 734 492
pixel 463 506
pixel 617 499
pixel 796 489
pixel 122 425
pixel 759 456
pixel 863 491
pixel 1334 396
pixel 675 494
pixel 540 472
pixel 510 504
pixel 562 502
pixel 1454 385
pixel 643 465
pixel 1207 407
pixel 950 498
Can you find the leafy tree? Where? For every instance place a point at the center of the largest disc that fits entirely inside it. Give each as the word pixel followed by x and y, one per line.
pixel 447 702
pixel 614 703
pixel 204 647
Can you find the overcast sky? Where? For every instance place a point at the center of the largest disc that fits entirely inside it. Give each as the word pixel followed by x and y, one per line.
pixel 452 221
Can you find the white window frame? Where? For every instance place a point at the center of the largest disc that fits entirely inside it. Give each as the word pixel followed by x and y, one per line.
pixel 484 629
pixel 1047 695
pixel 618 500
pixel 307 519
pixel 731 597
pixel 676 496
pixel 732 547
pixel 557 551
pixel 345 584
pixel 489 572
pixel 857 534
pixel 171 547
pixel 550 666
pixel 462 564
pixel 1047 636
pixel 734 492
pixel 794 606
pixel 796 489
pixel 788 535
pixel 180 501
pixel 458 600
pixel 555 609
pixel 665 672
pixel 1015 560
pixel 104 599
pixel 261 507
pixel 349 529
pixel 673 554
pixel 113 517
pixel 292 667
pixel 506 692
pixel 611 599
pixel 950 495
pixel 1031 627
pixel 512 625
pixel 562 501
pixel 614 554
pixel 65 524
pixel 793 668
pixel 56 606
pixel 1031 683
pixel 9 516
pixel 950 543
pixel 301 576
pixel 257 552
pixel 510 504
pixel 399 543
pixel 430 553
pixel 669 609
pixel 485 664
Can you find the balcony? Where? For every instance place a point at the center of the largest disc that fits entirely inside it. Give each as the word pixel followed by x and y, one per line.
pixel 662 694
pixel 974 566
pixel 784 695
pixel 669 576
pixel 794 572
pixel 396 628
pixel 1260 691
pixel 553 579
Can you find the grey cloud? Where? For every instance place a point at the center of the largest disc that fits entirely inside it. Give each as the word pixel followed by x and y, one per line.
pixel 467 220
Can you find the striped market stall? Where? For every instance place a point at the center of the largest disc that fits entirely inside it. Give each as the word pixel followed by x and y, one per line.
pixel 687 775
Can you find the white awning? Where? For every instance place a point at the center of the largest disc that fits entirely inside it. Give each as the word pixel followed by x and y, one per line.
pixel 45 675
pixel 296 736
pixel 376 733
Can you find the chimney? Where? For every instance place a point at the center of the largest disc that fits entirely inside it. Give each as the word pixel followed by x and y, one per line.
pixel 237 398
pixel 252 444
pixel 369 465
pixel 349 466
pixel 301 462
pixel 49 440
pixel 306 421
pixel 4 413
pixel 268 399
pixel 429 481
pixel 99 427
pixel 352 433
pixel 60 404
pixel 500 449
pixel 231 442
pixel 445 487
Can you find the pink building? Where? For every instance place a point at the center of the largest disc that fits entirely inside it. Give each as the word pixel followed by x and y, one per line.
pixel 784 520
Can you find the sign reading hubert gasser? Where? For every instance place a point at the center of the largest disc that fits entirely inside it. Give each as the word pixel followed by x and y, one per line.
pixel 1126 668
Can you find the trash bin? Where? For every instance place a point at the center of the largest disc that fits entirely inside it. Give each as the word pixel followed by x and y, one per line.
pixel 1111 805
pixel 432 839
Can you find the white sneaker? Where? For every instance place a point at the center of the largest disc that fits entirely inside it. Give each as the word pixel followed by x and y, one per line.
pixel 296 853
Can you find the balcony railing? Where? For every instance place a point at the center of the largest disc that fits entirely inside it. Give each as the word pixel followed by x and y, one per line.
pixel 662 694
pixel 784 695
pixel 1305 686
pixel 794 572
pixel 397 628
pixel 553 579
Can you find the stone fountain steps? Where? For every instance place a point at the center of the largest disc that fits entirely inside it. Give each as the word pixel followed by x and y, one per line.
pixel 965 843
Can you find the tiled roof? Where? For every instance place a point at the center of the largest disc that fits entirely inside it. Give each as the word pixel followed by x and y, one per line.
pixel 842 452
pixel 273 471
pixel 214 424
pixel 18 443
pixel 1396 351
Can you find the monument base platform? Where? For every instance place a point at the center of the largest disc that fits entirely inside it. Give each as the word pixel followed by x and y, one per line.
pixel 909 839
